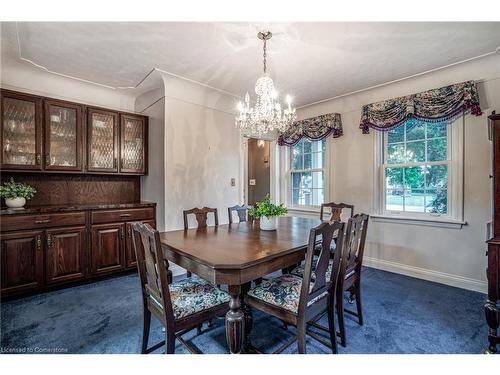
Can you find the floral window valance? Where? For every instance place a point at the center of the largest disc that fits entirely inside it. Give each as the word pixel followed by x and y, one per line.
pixel 314 128
pixel 442 104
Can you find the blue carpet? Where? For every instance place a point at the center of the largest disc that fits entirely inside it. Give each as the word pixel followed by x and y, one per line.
pixel 402 315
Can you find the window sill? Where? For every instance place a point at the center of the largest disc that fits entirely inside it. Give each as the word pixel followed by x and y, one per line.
pixel 427 221
pixel 304 211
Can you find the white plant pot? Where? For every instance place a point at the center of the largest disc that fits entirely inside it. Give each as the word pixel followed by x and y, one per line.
pixel 17 202
pixel 268 224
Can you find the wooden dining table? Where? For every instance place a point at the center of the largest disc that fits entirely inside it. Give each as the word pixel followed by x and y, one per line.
pixel 235 255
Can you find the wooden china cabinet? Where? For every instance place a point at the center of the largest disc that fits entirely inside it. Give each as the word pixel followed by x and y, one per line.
pixel 64 137
pixel 103 141
pixel 491 307
pixel 134 132
pixel 21 131
pixel 50 135
pixel 85 163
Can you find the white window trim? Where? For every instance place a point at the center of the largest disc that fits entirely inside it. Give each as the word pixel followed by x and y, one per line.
pixel 455 218
pixel 285 179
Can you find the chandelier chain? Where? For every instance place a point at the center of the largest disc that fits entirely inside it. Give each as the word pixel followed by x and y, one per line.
pixel 265 56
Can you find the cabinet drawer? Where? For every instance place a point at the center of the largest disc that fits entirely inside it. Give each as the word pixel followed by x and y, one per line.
pixel 122 215
pixel 10 223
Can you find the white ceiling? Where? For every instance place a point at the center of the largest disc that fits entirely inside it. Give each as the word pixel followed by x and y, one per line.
pixel 311 61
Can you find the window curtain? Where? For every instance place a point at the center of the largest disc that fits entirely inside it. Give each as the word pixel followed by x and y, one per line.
pixel 437 105
pixel 314 128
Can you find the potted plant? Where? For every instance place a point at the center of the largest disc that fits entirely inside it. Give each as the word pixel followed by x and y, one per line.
pixel 267 212
pixel 16 193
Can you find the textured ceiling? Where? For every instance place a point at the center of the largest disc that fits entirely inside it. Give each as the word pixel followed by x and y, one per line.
pixel 311 61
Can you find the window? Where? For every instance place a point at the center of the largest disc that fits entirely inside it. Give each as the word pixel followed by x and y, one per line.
pixel 417 164
pixel 307 173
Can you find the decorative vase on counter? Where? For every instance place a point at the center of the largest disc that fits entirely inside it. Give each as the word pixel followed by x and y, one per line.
pixel 268 223
pixel 17 202
pixel 16 193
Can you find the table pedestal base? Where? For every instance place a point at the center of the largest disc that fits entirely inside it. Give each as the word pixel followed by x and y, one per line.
pixel 235 321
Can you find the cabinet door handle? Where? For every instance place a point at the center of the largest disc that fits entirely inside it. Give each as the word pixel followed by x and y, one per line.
pixel 42 221
pixel 38 242
pixel 125 215
pixel 129 231
pixel 47 160
pixel 38 159
pixel 122 234
pixel 49 241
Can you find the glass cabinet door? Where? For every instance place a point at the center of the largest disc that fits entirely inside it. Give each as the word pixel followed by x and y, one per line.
pixel 21 131
pixel 63 136
pixel 133 143
pixel 102 141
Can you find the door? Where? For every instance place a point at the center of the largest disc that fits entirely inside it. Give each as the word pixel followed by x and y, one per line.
pixel 65 258
pixel 102 141
pixel 133 136
pixel 22 261
pixel 20 131
pixel 63 136
pixel 131 260
pixel 108 248
pixel 258 170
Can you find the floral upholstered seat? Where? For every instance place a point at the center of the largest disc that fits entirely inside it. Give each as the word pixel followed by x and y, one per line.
pixel 282 291
pixel 193 294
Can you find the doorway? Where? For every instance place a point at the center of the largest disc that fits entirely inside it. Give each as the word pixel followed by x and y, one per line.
pixel 258 170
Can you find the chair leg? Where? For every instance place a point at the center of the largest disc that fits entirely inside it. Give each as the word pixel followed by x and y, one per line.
pixel 358 302
pixel 332 329
pixel 146 324
pixel 169 342
pixel 170 277
pixel 301 337
pixel 258 281
pixel 188 274
pixel 198 329
pixel 340 315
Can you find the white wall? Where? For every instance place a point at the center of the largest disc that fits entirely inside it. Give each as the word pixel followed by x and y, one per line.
pixel 202 151
pixel 451 256
pixel 152 104
pixel 22 76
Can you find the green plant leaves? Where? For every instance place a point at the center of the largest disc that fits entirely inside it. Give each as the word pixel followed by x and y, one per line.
pixel 267 208
pixel 12 189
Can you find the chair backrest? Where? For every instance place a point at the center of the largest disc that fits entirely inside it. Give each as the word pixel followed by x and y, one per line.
pixel 326 231
pixel 336 210
pixel 240 210
pixel 201 215
pixel 153 271
pixel 352 254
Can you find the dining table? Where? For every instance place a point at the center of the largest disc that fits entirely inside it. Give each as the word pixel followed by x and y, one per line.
pixel 235 255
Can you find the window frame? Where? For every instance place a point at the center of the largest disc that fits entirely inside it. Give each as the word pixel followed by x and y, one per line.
pixel 455 163
pixel 286 156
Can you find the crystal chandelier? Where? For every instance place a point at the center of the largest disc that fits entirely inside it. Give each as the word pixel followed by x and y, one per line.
pixel 267 114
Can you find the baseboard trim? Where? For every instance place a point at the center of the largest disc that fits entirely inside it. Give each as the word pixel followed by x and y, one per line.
pixel 425 274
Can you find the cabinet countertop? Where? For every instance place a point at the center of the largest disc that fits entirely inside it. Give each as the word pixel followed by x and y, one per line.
pixel 46 209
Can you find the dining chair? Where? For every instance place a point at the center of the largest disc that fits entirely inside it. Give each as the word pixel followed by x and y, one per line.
pixel 336 210
pixel 242 212
pixel 298 301
pixel 179 306
pixel 350 270
pixel 201 215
